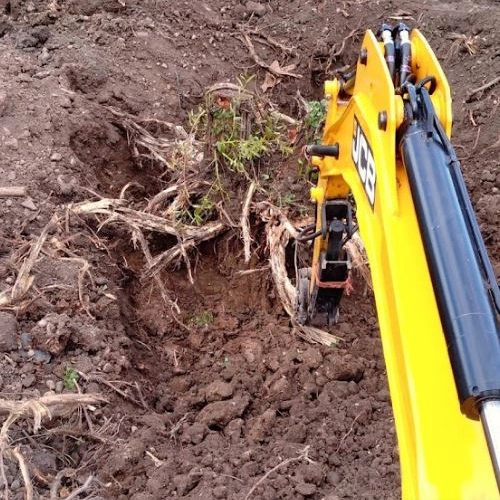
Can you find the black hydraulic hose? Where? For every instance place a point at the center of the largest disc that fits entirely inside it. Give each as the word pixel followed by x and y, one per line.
pixel 389 49
pixel 308 234
pixel 405 67
pixel 403 46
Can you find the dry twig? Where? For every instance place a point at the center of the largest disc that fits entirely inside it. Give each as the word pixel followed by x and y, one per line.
pixel 183 150
pixel 486 86
pixel 269 40
pixel 84 487
pixel 245 224
pixel 45 407
pixel 25 279
pixel 13 191
pixel 274 67
pixel 304 455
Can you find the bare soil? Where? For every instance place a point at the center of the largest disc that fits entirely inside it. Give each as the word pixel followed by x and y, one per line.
pixel 202 410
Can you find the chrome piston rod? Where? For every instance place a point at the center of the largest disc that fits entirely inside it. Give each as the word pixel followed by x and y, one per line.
pixel 490 418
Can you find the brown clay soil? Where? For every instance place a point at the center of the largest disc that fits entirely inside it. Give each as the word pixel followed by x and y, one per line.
pixel 202 412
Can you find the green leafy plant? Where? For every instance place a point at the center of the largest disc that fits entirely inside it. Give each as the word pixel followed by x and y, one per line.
pixel 315 118
pixel 202 319
pixel 70 378
pixel 240 131
pixel 201 211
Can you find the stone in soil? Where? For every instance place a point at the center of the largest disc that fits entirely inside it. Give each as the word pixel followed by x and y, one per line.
pixel 222 412
pixel 8 332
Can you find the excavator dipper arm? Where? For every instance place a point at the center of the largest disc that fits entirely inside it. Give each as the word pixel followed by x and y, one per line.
pixel 386 145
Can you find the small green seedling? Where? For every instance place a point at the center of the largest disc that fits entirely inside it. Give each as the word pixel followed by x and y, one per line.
pixel 315 118
pixel 202 319
pixel 70 377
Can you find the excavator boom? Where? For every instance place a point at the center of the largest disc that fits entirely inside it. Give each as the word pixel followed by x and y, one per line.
pixel 387 165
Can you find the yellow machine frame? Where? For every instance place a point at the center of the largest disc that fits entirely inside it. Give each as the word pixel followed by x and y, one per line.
pixel 443 454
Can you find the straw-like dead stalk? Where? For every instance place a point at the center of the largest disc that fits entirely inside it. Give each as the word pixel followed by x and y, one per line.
pixel 43 408
pixel 169 144
pixel 245 224
pixel 356 249
pixel 278 232
pixel 25 278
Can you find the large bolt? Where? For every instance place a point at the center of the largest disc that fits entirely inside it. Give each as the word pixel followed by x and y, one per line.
pixel 363 56
pixel 382 120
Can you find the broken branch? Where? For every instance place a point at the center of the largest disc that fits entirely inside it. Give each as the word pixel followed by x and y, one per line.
pixel 245 224
pixel 273 68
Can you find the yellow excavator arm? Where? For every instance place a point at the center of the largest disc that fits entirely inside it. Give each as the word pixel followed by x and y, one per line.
pixel 385 164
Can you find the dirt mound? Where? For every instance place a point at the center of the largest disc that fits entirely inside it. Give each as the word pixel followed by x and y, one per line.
pixel 222 399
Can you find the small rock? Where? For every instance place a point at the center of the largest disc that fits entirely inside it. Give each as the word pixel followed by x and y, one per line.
pixel 107 368
pixel 29 204
pixel 8 332
pixel 222 412
pixel 333 477
pixel 42 74
pixel 218 390
pixel 66 188
pixel 56 157
pixel 51 385
pixel 184 483
pixel 220 492
pixel 11 176
pixel 305 489
pixel 29 380
pixel 3 102
pixel 195 433
pixel 59 386
pixel 39 356
pixel 255 8
pixel 26 340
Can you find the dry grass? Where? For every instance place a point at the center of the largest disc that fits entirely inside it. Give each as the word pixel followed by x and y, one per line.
pixel 357 252
pixel 461 42
pixel 278 232
pixel 15 298
pixel 38 410
pixel 169 144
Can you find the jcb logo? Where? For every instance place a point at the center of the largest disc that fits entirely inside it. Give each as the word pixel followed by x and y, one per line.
pixel 363 159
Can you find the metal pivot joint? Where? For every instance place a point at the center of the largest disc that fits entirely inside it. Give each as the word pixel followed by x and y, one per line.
pixel 319 298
